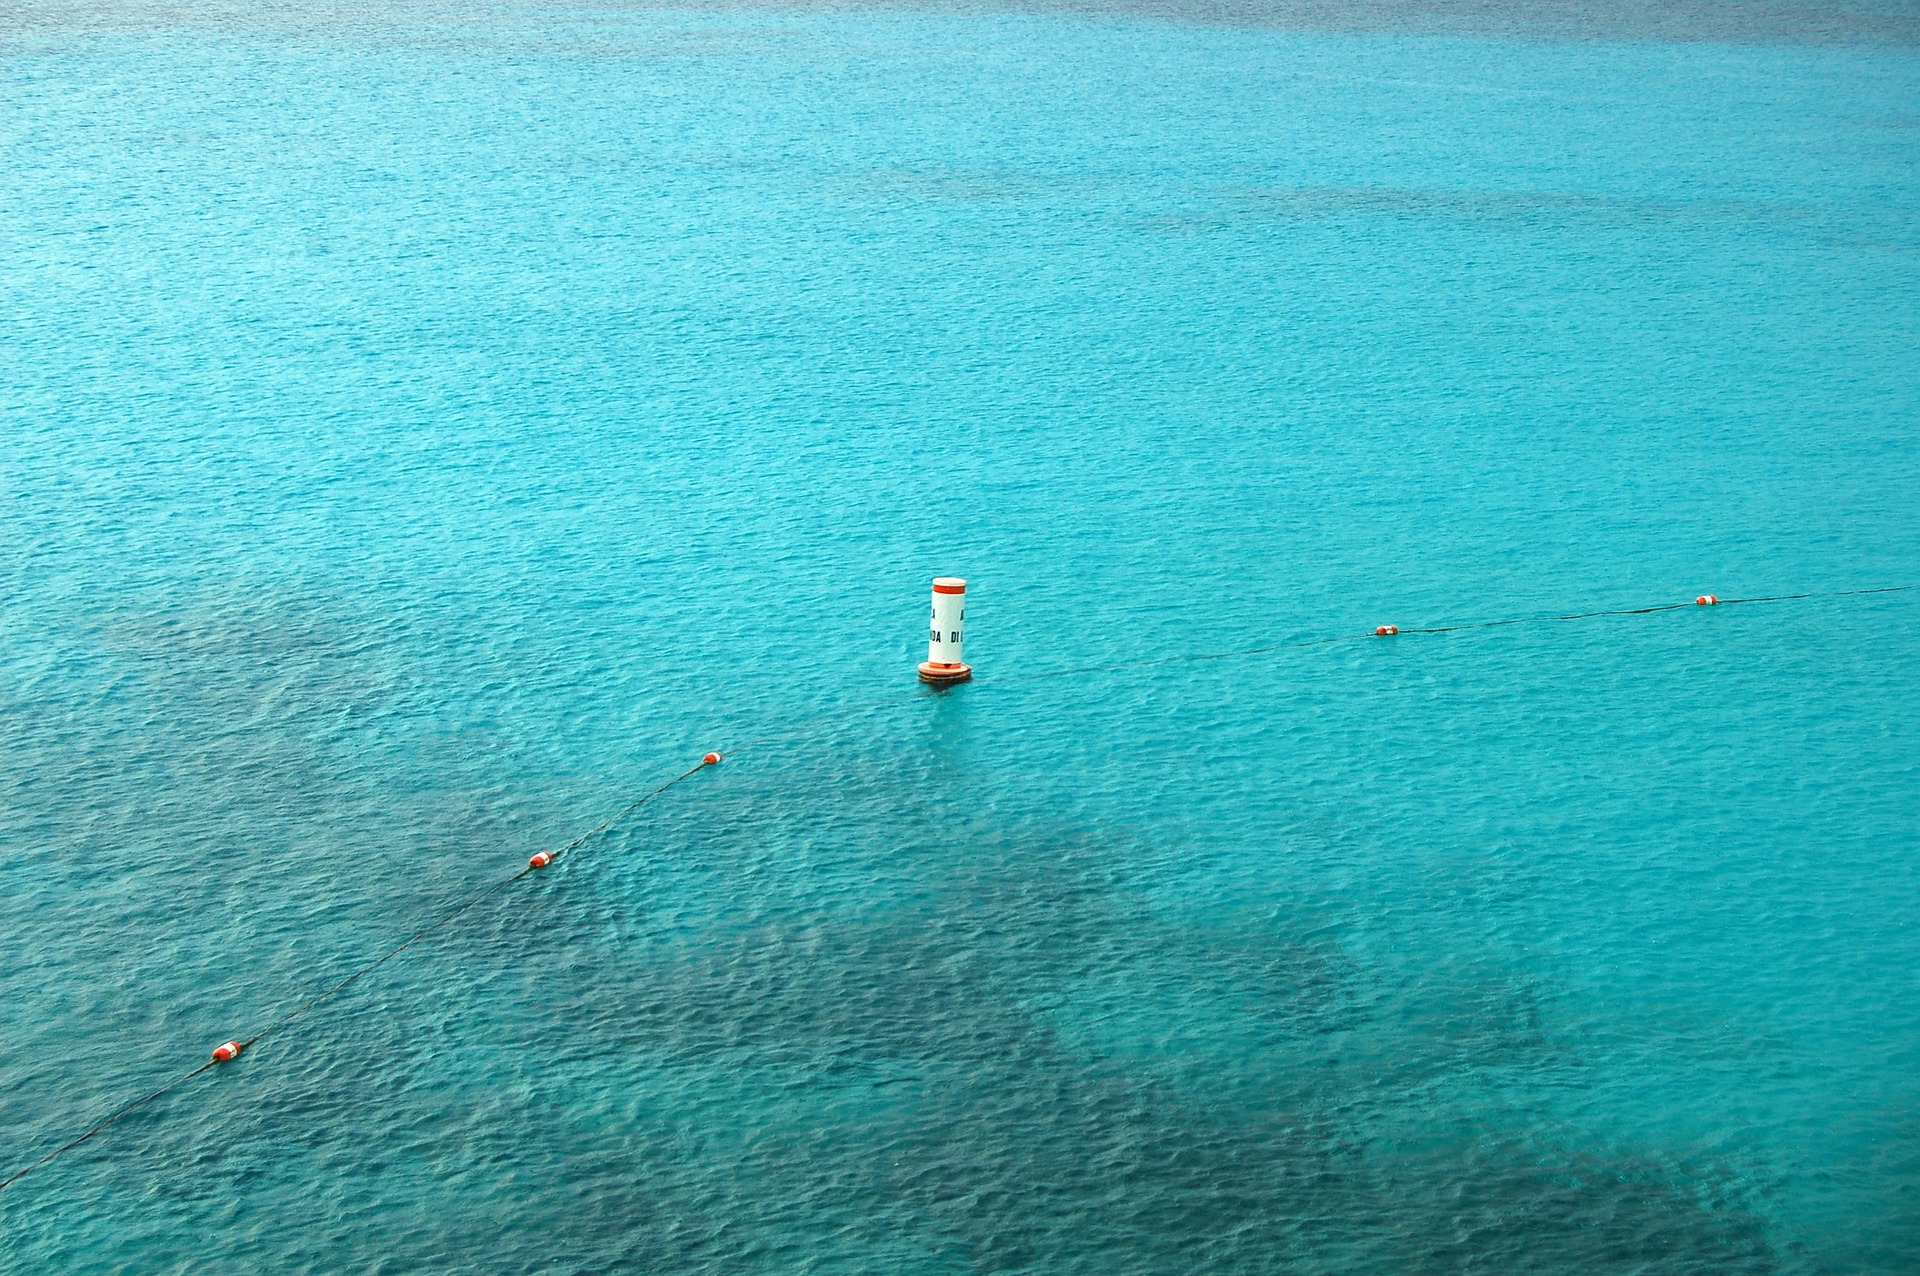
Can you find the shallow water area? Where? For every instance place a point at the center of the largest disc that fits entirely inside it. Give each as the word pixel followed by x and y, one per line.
pixel 425 430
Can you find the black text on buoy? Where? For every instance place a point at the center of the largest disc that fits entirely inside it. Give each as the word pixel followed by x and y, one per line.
pixel 943 666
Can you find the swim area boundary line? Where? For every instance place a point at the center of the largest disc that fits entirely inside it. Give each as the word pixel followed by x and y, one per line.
pixel 239 1046
pixel 1197 657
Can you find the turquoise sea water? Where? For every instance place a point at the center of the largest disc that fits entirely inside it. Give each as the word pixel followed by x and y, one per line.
pixel 423 429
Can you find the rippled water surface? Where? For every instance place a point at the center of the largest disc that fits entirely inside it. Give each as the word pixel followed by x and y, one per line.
pixel 422 429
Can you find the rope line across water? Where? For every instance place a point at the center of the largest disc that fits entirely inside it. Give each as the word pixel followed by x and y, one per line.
pixel 367 969
pixel 1194 657
pixel 637 803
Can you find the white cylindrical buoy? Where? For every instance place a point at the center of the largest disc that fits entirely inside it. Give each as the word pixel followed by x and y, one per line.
pixel 943 666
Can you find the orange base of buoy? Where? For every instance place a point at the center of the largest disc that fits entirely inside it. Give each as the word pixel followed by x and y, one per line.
pixel 936 675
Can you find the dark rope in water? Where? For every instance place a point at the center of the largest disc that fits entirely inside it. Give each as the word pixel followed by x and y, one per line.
pixel 367 969
pixel 637 803
pixel 1195 657
pixel 69 1146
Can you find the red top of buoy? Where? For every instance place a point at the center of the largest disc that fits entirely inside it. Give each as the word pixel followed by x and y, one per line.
pixel 710 759
pixel 949 585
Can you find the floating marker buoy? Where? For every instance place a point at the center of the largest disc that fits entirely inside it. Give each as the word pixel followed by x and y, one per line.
pixel 711 759
pixel 943 666
pixel 1386 631
pixel 227 1052
pixel 1707 600
pixel 540 859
